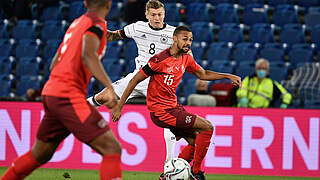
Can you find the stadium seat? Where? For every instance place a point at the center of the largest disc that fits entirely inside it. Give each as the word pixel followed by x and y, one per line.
pixel 91 87
pixel 6 47
pixel 230 32
pixel 187 2
pixel 203 31
pixel 112 67
pixel 76 9
pixel 244 71
pixel 255 13
pixel 28 66
pixel 312 19
pixel 225 13
pixel 27 48
pixel 50 49
pixel 216 2
pixel 220 51
pixel 273 51
pixel 25 29
pixel 53 30
pixel 198 12
pixel 221 66
pixel 26 82
pixel 6 65
pixel 308 3
pixel 3 30
pixel 173 13
pixel 115 11
pixel 300 53
pixel 114 49
pixel 198 49
pixel 285 14
pixel 245 52
pixel 53 13
pixel 246 2
pixel 312 104
pixel 278 2
pixel 6 82
pixel 261 33
pixel 315 35
pixel 292 34
pixel 278 73
pixel 130 53
pixel 189 87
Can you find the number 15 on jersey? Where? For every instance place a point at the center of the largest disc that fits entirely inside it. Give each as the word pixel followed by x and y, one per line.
pixel 168 79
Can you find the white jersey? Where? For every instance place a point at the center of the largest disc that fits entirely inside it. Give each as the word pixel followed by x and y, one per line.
pixel 149 41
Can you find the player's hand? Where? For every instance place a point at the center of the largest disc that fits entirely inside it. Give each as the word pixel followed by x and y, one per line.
pixel 116 113
pixel 236 80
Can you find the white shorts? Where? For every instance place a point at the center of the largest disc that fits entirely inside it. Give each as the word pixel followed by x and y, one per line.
pixel 139 91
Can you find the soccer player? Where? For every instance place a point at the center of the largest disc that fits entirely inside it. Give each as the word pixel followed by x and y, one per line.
pixel 151 38
pixel 166 70
pixel 64 98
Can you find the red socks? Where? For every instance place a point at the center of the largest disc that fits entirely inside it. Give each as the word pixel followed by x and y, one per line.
pixel 201 148
pixel 21 167
pixel 187 153
pixel 110 167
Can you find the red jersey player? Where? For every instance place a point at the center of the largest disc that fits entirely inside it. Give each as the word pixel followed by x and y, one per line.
pixel 64 98
pixel 165 71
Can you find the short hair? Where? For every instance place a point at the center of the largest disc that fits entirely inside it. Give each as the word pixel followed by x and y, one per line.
pixel 97 3
pixel 154 4
pixel 262 60
pixel 181 28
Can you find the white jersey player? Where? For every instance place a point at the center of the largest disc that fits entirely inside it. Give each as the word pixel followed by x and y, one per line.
pixel 151 38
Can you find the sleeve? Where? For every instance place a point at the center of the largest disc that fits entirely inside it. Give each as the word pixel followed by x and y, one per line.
pixel 129 30
pixel 147 71
pixel 192 66
pixel 280 90
pixel 243 91
pixel 96 30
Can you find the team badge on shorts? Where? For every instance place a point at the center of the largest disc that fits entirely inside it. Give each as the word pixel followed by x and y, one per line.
pixel 188 119
pixel 102 123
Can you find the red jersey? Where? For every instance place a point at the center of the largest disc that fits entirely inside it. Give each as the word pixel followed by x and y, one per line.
pixel 70 77
pixel 166 73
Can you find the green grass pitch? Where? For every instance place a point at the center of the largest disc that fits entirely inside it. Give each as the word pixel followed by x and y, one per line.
pixel 57 174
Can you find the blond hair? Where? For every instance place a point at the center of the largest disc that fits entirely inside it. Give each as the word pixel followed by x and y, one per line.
pixel 262 60
pixel 154 4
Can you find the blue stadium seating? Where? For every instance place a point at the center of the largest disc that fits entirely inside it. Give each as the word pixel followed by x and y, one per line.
pixel 216 2
pixel 26 82
pixel 301 53
pixel 308 3
pixel 112 67
pixel 219 52
pixel 25 29
pixel 198 49
pixel 52 13
pixel 173 12
pixel 312 19
pixel 203 31
pixel 3 30
pixel 315 35
pixel 278 73
pixel 312 104
pixel 114 49
pixel 273 52
pixel 246 2
pixel 245 52
pixel 6 47
pixel 244 71
pixel 285 14
pixel 222 66
pixel 50 49
pixel 261 33
pixel 198 12
pixel 76 10
pixel 6 65
pixel 53 30
pixel 130 52
pixel 27 48
pixel 6 82
pixel 187 2
pixel 189 87
pixel 292 34
pixel 278 2
pixel 230 32
pixel 91 85
pixel 255 13
pixel 115 11
pixel 28 66
pixel 225 13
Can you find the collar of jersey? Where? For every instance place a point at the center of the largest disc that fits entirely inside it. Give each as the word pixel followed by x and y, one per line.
pixel 158 29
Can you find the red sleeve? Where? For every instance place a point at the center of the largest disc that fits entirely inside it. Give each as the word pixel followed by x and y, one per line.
pixel 155 64
pixel 192 66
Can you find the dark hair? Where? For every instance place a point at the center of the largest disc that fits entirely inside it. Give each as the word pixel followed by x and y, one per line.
pixel 97 3
pixel 154 4
pixel 181 28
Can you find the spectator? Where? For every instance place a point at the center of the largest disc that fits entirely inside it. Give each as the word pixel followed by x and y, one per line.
pixel 260 91
pixel 202 97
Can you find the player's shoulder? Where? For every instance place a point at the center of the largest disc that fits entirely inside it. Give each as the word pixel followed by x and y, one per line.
pixel 170 28
pixel 140 23
pixel 161 56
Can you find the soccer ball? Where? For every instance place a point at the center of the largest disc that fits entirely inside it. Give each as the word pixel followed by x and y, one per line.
pixel 177 169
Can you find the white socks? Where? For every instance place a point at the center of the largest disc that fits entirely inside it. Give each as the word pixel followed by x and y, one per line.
pixel 170 139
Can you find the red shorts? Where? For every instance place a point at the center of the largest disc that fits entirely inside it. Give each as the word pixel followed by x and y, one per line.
pixel 64 116
pixel 177 119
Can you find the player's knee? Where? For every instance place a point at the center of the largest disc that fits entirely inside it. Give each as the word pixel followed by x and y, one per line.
pixel 208 126
pixel 101 98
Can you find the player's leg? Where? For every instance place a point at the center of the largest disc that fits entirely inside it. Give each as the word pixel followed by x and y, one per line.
pixel 187 153
pixel 170 140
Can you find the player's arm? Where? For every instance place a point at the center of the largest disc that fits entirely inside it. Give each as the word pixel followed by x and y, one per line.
pixel 211 75
pixel 54 61
pixel 90 45
pixel 115 35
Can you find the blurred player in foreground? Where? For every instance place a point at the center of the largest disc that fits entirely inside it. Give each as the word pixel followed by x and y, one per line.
pixel 151 37
pixel 64 98
pixel 166 70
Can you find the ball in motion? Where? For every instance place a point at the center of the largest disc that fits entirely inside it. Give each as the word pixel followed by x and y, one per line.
pixel 177 169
